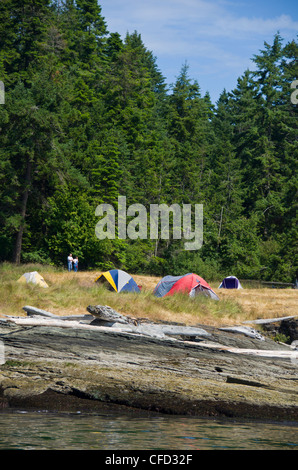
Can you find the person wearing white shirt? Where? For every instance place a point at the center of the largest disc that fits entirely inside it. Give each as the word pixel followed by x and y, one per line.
pixel 69 262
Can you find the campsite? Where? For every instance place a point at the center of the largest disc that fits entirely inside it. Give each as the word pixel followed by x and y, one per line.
pixel 70 293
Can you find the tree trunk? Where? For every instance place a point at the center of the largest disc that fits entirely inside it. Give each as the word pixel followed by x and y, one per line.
pixel 19 238
pixel 220 223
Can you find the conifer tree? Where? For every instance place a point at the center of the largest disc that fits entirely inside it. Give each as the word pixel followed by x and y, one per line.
pixel 88 117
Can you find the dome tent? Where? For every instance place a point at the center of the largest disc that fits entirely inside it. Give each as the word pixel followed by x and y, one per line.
pixel 190 283
pixel 34 277
pixel 118 280
pixel 230 282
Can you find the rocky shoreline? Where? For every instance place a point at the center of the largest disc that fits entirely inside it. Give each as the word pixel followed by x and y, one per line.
pixel 92 364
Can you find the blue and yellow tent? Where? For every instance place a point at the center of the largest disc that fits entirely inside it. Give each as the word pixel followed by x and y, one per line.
pixel 119 281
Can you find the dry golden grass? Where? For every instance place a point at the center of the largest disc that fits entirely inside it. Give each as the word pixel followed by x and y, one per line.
pixel 70 294
pixel 263 303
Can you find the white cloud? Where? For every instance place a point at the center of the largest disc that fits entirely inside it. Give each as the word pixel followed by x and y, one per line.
pixel 213 36
pixel 212 17
pixel 177 27
pixel 243 27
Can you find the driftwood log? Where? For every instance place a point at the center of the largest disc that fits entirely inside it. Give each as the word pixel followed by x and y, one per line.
pixel 245 330
pixel 282 326
pixel 264 321
pixel 106 314
pixel 33 311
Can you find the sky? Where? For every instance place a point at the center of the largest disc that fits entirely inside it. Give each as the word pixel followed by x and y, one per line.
pixel 216 38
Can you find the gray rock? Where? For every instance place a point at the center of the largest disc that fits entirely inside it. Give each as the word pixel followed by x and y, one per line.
pixel 86 368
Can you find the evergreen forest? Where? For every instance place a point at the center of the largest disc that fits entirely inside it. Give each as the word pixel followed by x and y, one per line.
pixel 88 117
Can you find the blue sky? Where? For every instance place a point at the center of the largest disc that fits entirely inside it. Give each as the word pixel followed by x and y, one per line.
pixel 216 38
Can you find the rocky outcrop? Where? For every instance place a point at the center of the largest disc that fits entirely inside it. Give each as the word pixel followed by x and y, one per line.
pixel 287 327
pixel 90 363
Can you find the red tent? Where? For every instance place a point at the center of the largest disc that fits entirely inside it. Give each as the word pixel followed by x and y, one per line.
pixel 190 283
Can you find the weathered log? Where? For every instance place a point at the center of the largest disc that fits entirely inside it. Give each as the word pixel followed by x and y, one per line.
pixel 251 332
pixel 286 326
pixel 37 311
pixel 108 314
pixel 263 321
pixel 33 311
pixel 50 322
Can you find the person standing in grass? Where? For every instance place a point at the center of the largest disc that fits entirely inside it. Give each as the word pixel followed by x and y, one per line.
pixel 75 264
pixel 69 262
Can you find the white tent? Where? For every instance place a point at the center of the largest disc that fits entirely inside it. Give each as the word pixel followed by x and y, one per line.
pixel 33 277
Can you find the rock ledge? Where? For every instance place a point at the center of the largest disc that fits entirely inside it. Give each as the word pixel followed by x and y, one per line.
pixel 93 364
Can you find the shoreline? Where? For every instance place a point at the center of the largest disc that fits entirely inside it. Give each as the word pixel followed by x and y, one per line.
pixel 227 374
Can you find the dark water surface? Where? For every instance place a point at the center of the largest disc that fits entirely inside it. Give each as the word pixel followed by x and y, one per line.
pixel 78 431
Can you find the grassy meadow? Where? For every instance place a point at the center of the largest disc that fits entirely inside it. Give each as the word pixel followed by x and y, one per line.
pixel 70 294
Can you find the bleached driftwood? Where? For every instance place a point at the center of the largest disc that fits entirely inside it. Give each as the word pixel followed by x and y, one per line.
pixel 251 332
pixel 37 311
pixel 52 322
pixel 263 321
pixel 108 314
pixel 33 311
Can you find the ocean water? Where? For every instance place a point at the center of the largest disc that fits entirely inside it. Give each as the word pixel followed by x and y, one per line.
pixel 41 430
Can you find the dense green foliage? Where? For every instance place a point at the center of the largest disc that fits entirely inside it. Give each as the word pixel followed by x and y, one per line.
pixel 88 117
